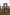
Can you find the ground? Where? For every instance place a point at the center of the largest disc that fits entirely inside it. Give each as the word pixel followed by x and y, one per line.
pixel 8 13
pixel 2 13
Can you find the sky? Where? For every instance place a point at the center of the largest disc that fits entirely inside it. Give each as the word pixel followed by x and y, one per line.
pixel 5 1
